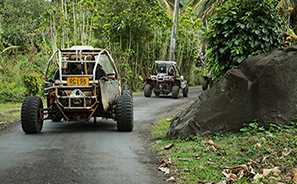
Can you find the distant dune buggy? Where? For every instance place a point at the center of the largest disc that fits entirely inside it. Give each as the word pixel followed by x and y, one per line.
pixel 86 84
pixel 165 79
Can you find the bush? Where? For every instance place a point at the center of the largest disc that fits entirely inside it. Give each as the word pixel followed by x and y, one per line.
pixel 32 82
pixel 240 30
pixel 11 92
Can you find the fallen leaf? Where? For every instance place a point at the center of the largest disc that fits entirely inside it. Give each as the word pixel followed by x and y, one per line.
pixel 166 161
pixel 197 156
pixel 271 149
pixel 287 153
pixel 168 120
pixel 171 179
pixel 241 174
pixel 210 163
pixel 262 139
pixel 165 170
pixel 226 173
pixel 253 163
pixel 213 148
pixel 184 159
pixel 169 146
pixel 258 145
pixel 221 153
pixel 199 168
pixel 264 159
pixel 257 177
pixel 210 142
pixel 206 149
pixel 276 171
pixel 295 179
pixel 230 176
pixel 222 182
pixel 291 174
pixel 251 170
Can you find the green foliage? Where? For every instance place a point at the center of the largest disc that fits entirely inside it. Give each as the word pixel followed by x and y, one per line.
pixel 198 76
pixel 128 32
pixel 252 128
pixel 158 130
pixel 194 161
pixel 11 92
pixel 240 30
pixel 9 112
pixel 32 82
pixel 19 19
pixel 187 41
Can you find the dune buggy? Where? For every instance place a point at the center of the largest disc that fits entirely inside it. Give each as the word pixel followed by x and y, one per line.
pixel 165 79
pixel 85 85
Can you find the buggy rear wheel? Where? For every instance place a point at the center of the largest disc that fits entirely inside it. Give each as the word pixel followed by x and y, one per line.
pixel 31 117
pixel 124 113
pixel 185 91
pixel 205 85
pixel 175 92
pixel 147 90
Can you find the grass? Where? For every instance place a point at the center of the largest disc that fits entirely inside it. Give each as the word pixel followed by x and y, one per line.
pixel 9 112
pixel 241 157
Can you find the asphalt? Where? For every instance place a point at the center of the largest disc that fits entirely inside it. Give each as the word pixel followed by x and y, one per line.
pixel 88 152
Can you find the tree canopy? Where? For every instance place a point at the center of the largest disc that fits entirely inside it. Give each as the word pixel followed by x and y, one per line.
pixel 241 29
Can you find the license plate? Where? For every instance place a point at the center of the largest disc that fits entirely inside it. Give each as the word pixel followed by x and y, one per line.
pixel 77 81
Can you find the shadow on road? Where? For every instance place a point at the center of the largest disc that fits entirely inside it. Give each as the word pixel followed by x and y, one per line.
pixel 77 127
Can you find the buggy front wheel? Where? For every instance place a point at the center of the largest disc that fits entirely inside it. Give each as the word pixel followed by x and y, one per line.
pixel 147 90
pixel 185 91
pixel 175 92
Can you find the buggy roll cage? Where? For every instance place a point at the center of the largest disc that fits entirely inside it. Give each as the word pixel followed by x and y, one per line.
pixel 79 51
pixel 168 63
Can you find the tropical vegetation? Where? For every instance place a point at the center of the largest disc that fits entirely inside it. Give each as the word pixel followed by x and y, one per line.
pixel 253 156
pixel 240 30
pixel 137 33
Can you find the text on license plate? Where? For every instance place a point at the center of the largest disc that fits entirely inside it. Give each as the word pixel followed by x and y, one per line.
pixel 77 81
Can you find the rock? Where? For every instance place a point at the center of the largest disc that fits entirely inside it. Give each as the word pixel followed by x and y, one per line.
pixel 263 87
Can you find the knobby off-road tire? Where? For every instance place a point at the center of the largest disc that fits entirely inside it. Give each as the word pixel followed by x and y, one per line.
pixel 124 113
pixel 185 91
pixel 30 115
pixel 147 90
pixel 175 92
pixel 204 85
pixel 128 93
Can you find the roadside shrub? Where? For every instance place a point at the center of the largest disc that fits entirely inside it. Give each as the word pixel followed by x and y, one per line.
pixel 32 82
pixel 11 92
pixel 242 29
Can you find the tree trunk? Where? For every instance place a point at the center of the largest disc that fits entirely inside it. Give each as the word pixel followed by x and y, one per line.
pixel 174 29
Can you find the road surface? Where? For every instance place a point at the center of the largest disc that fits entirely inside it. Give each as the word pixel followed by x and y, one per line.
pixel 85 152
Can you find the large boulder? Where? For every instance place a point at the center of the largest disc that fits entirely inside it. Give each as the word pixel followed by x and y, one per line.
pixel 262 88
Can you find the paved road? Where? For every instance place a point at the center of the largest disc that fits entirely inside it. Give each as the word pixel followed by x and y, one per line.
pixel 84 152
